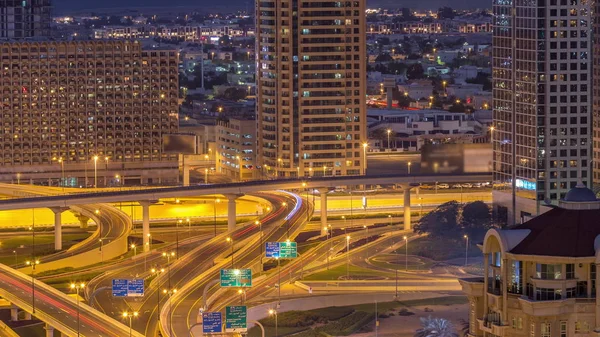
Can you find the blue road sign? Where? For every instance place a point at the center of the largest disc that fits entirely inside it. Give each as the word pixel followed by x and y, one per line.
pixel 127 288
pixel 272 249
pixel 212 322
pixel 119 288
pixel 135 288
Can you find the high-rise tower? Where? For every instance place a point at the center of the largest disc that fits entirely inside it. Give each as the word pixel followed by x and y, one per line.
pixel 541 63
pixel 311 87
pixel 24 18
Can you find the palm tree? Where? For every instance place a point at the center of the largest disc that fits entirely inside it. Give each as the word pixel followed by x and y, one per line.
pixel 435 327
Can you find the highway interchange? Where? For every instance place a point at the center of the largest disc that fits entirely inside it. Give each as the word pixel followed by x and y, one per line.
pixel 196 266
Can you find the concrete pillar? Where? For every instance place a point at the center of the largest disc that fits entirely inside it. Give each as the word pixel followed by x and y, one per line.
pixel 27 316
pixel 14 314
pixel 186 172
pixel 58 226
pixel 146 224
pixel 49 330
pixel 83 221
pixel 323 192
pixel 231 213
pixel 407 225
pixel 504 285
pixel 486 280
pixel 390 96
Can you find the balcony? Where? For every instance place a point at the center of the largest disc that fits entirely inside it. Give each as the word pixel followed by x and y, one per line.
pixel 472 286
pixel 493 327
pixel 549 308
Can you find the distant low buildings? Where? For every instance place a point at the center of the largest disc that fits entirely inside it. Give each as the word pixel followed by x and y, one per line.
pixel 236 148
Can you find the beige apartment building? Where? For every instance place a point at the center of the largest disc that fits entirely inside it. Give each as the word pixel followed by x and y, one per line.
pixel 540 277
pixel 236 148
pixel 311 87
pixel 84 113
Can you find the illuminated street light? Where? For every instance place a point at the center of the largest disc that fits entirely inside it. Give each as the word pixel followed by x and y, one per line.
pixel 130 315
pixel 95 171
pixel 77 287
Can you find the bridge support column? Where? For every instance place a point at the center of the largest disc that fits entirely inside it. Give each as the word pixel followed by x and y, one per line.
pixel 49 330
pixel 58 226
pixel 27 316
pixel 83 221
pixel 186 172
pixel 14 313
pixel 146 223
pixel 231 210
pixel 323 193
pixel 407 224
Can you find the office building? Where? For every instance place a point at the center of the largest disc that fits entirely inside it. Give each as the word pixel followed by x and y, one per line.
pixel 24 18
pixel 540 277
pixel 542 108
pixel 311 87
pixel 596 94
pixel 236 148
pixel 84 112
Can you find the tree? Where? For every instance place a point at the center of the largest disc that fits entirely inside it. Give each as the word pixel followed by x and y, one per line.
pixel 403 100
pixel 384 58
pixel 446 13
pixel 382 135
pixel 465 327
pixel 481 78
pixel 457 107
pixel 435 327
pixel 476 219
pixel 442 222
pixel 234 94
pixel 415 71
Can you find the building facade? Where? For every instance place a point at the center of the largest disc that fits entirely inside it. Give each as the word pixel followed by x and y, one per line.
pixel 24 18
pixel 596 95
pixel 542 109
pixel 236 148
pixel 73 111
pixel 540 277
pixel 311 87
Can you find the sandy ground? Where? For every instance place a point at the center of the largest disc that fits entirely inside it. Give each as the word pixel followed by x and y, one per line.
pixel 407 325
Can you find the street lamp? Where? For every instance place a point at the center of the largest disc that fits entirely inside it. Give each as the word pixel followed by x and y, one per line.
pixel 179 222
pixel 105 171
pixel 324 170
pixel 278 281
pixel 134 247
pixel 77 286
pixel 406 252
pixel 230 241
pixel 365 145
pixel 466 249
pixel 273 312
pixel 32 263
pixel 278 166
pixel 170 292
pixel 95 171
pixel 388 134
pixel 215 213
pixel 409 165
pixel 168 256
pixel 348 257
pixel 16 257
pixel 189 228
pixel 206 176
pixel 157 272
pixel 242 296
pixel 130 315
pixel 62 170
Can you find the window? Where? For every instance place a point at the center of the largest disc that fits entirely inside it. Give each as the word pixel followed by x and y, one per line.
pixel 582 327
pixel 545 330
pixel 532 330
pixel 570 273
pixel 563 329
pixel 549 271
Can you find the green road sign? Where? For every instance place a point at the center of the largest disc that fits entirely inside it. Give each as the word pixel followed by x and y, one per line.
pixel 236 318
pixel 236 278
pixel 288 250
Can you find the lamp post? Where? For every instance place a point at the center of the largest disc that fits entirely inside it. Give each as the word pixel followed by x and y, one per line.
pixel 259 224
pixel 130 315
pixel 134 247
pixel 273 312
pixel 170 292
pixel 105 171
pixel 32 263
pixel 179 222
pixel 230 241
pixel 95 171
pixel 388 134
pixel 420 206
pixel 77 286
pixel 149 241
pixel 242 294
pixel 365 145
pixel 16 257
pixel 348 257
pixel 466 250
pixel 168 256
pixel 409 165
pixel 278 166
pixel 189 228
pixel 215 213
pixel 324 170
pixel 62 171
pixel 157 272
pixel 206 176
pixel 406 252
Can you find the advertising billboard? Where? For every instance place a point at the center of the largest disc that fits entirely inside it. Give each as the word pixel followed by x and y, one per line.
pixel 456 158
pixel 179 144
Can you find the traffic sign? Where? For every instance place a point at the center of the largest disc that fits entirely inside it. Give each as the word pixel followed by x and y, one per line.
pixel 212 322
pixel 272 249
pixel 282 250
pixel 236 318
pixel 128 288
pixel 135 288
pixel 236 278
pixel 119 287
pixel 288 250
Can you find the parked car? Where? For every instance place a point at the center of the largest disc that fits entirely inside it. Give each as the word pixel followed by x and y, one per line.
pixel 457 186
pixel 467 185
pixel 443 186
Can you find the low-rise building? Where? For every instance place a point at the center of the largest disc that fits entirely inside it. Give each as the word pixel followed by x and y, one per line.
pixel 540 277
pixel 236 148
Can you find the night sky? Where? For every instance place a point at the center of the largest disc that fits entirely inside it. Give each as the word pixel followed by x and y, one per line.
pixel 62 6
